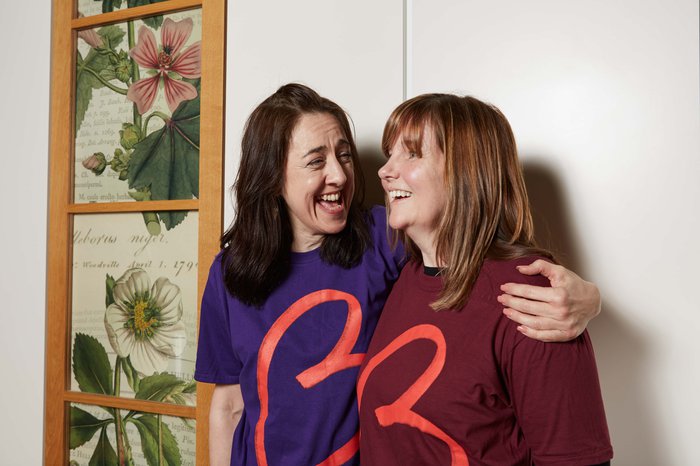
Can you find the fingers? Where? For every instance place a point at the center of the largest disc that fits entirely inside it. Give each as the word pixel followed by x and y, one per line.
pixel 534 322
pixel 546 336
pixel 542 328
pixel 537 293
pixel 545 268
pixel 534 268
pixel 524 305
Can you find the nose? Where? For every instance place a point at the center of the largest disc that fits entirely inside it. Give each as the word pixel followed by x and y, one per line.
pixel 387 171
pixel 335 175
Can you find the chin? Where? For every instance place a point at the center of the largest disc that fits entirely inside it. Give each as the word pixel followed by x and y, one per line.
pixel 334 229
pixel 396 224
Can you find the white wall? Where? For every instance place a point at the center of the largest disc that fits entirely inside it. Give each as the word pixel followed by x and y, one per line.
pixel 24 80
pixel 350 52
pixel 603 98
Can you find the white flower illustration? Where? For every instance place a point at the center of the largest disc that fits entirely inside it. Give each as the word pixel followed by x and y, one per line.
pixel 144 322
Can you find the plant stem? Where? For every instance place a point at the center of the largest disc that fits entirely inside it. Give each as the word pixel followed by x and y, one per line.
pixel 127 447
pixel 161 457
pixel 116 89
pixel 157 113
pixel 134 71
pixel 119 428
pixel 113 53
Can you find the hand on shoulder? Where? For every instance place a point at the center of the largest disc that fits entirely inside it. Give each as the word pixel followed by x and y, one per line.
pixel 551 314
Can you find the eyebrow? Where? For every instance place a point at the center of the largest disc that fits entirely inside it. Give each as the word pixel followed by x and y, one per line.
pixel 315 150
pixel 321 149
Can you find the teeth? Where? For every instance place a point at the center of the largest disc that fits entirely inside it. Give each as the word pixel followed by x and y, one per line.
pixel 330 197
pixel 399 194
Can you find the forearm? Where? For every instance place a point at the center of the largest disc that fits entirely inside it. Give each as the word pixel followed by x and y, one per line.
pixel 224 415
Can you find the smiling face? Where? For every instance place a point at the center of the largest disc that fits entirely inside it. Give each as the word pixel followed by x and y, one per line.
pixel 318 180
pixel 414 182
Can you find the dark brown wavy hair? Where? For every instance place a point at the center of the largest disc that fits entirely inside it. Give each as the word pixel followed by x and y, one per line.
pixel 257 245
pixel 487 214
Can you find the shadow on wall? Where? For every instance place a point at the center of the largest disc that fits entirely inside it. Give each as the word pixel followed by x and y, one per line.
pixel 371 159
pixel 621 352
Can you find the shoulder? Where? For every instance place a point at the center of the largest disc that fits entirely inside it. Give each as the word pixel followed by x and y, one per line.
pixel 499 272
pixel 217 270
pixel 376 217
pixel 217 265
pixel 384 239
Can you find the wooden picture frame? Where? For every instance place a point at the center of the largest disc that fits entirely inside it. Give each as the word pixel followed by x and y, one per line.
pixel 66 25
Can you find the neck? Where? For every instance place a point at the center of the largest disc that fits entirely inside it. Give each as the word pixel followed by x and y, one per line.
pixel 430 260
pixel 306 244
pixel 426 244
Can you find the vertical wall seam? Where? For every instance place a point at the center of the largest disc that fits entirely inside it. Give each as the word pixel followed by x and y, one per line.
pixel 407 48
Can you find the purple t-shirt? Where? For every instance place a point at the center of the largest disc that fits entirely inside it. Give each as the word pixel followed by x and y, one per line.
pixel 297 358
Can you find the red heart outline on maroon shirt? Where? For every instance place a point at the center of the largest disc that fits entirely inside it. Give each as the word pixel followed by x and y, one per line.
pixel 400 411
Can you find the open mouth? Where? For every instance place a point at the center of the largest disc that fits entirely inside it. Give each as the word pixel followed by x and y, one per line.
pixel 331 202
pixel 398 194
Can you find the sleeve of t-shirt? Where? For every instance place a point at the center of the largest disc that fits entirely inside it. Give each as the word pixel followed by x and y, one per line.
pixel 555 392
pixel 216 360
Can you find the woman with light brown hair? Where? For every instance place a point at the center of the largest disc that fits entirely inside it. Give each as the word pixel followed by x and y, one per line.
pixel 448 379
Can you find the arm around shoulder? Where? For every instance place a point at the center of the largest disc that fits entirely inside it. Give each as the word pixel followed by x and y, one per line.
pixel 224 414
pixel 559 313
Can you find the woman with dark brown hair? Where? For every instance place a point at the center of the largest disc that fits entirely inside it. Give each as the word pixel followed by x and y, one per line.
pixel 293 298
pixel 447 378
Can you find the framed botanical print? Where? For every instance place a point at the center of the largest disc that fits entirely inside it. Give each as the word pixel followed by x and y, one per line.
pixel 135 216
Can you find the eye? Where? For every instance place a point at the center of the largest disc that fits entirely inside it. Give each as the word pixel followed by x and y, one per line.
pixel 345 157
pixel 316 163
pixel 412 155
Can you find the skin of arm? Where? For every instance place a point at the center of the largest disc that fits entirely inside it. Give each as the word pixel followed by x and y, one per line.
pixel 224 413
pixel 559 313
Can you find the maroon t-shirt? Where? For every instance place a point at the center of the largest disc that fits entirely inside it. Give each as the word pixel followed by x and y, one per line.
pixel 465 387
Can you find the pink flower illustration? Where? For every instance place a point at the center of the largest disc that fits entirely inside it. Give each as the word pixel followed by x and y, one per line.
pixel 91 37
pixel 166 60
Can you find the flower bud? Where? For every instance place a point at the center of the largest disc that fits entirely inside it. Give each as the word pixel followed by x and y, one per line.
pixel 120 162
pixel 91 37
pixel 96 163
pixel 122 71
pixel 129 135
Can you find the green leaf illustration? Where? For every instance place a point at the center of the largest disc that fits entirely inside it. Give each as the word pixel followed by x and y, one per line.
pixel 147 426
pixel 132 375
pixel 104 454
pixel 154 21
pixel 157 387
pixel 110 5
pixel 83 91
pixel 83 426
pixel 91 365
pixel 190 387
pixel 178 395
pixel 112 36
pixel 87 69
pixel 109 283
pixel 108 74
pixel 167 160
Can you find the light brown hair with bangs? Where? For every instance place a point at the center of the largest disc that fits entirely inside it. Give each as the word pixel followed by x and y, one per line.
pixel 487 214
